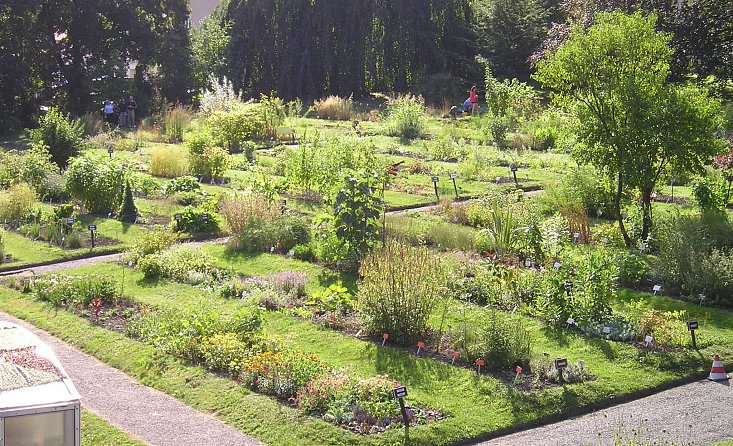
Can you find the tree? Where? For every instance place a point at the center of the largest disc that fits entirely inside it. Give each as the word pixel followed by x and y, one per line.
pixel 631 122
pixel 60 135
pixel 209 44
pixel 128 211
pixel 356 214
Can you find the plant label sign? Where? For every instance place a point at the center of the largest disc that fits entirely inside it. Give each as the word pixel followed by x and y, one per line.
pixel 110 150
pixel 657 288
pixel 570 321
pixel 178 217
pixel 561 363
pixel 453 176
pixel 606 330
pixel 692 325
pixel 556 265
pixel 205 217
pixel 92 227
pixel 400 392
pixel 435 179
pixel 648 340
pixel 514 168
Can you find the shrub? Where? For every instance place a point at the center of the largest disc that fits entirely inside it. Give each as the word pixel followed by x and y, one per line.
pixel 33 167
pixel 177 262
pixel 68 291
pixel 713 278
pixel 175 121
pixel 221 97
pixel 97 182
pixel 544 369
pixel 406 117
pixel 183 333
pixel 398 291
pixel 16 202
pixel 128 211
pixel 323 391
pixel 502 234
pixel 289 282
pixel 582 188
pixel 356 213
pixel 335 299
pixel 195 220
pixel 211 164
pixel 231 128
pixel 502 343
pixel 281 374
pixel 182 184
pixel 93 123
pixel 62 136
pixel 709 194
pixel 335 107
pixel 151 242
pixel 168 162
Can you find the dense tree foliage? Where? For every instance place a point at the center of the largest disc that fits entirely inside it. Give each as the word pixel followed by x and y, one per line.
pixel 632 122
pixel 310 48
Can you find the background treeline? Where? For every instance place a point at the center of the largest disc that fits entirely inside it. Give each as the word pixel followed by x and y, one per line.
pixel 73 53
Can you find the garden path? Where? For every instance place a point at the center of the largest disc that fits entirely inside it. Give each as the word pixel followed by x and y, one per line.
pixel 696 414
pixel 144 413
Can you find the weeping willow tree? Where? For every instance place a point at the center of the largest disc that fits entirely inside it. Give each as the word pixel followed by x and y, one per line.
pixel 308 48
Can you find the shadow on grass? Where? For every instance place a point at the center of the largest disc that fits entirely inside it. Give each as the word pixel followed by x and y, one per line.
pixel 411 370
pixel 556 334
pixel 604 346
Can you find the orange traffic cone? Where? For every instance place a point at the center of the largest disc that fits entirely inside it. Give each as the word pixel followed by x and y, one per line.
pixel 717 372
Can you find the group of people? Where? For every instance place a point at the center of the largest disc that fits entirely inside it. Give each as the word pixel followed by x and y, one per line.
pixel 121 113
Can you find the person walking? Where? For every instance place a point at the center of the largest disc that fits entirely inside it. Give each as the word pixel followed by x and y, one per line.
pixel 473 97
pixel 131 107
pixel 122 110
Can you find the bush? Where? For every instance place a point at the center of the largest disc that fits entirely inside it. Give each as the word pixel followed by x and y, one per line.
pixel 70 291
pixel 97 182
pixel 399 288
pixel 168 162
pixel 62 136
pixel 177 262
pixel 175 121
pixel 211 164
pixel 582 188
pixel 196 220
pixel 151 242
pixel 713 278
pixel 231 128
pixel 356 211
pixel 281 374
pixel 17 202
pixel 93 123
pixel 502 343
pixel 182 184
pixel 335 107
pixel 406 117
pixel 34 167
pixel 221 97
pixel 545 370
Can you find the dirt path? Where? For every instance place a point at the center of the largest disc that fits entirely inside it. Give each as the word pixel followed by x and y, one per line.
pixel 694 414
pixel 144 413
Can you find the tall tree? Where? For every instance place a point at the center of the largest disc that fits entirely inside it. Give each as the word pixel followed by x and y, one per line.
pixel 632 123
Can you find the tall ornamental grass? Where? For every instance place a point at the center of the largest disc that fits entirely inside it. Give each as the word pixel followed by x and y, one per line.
pixel 168 162
pixel 399 289
pixel 406 117
pixel 335 107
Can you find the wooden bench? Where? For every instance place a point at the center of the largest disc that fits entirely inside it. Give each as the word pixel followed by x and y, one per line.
pixel 284 132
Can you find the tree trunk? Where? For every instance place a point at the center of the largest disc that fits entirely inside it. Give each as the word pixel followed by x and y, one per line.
pixel 617 209
pixel 646 208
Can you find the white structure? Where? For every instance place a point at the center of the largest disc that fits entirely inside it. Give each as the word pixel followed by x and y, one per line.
pixel 39 405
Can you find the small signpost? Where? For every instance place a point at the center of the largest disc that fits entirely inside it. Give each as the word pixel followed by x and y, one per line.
pixel 556 265
pixel 480 363
pixel 606 331
pixel 435 184
pixel 69 222
pixel 514 169
pixel 672 182
pixel 385 336
pixel 656 289
pixel 576 237
pixel 400 393
pixel 92 231
pixel 420 346
pixel 453 177
pixel 518 369
pixel 692 326
pixel 570 322
pixel 204 218
pixel 648 340
pixel 283 203
pixel 110 150
pixel 178 218
pixel 454 355
pixel 560 364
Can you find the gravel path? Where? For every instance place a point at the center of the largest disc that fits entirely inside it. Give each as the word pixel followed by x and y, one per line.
pixel 144 413
pixel 694 414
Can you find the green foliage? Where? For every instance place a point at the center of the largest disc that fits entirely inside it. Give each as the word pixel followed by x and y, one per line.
pixel 175 121
pixel 196 220
pixel 509 98
pixel 61 136
pixel 398 291
pixel 151 242
pixel 17 202
pixel 168 162
pixel 201 334
pixel 631 122
pixel 182 184
pixel 335 299
pixel 503 343
pixel 492 285
pixel 582 189
pixel 710 195
pixel 97 182
pixel 545 370
pixel 502 234
pixel 2 246
pixel 406 117
pixel 209 43
pixel 69 291
pixel 210 164
pixel 128 211
pixel 232 128
pixel 177 263
pixel 356 212
pixel 281 374
pixel 34 167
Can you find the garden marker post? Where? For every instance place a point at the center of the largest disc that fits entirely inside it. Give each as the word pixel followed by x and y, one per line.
pixel 110 150
pixel 453 177
pixel 560 364
pixel 692 326
pixel 671 183
pixel 385 336
pixel 178 218
pixel 92 230
pixel 283 203
pixel 435 184
pixel 513 168
pixel 400 393
pixel 420 346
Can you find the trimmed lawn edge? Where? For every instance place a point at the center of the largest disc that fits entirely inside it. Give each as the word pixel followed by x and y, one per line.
pixel 9 268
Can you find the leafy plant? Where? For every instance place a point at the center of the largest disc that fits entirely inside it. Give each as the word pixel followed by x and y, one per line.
pixel 175 121
pixel 282 373
pixel 334 299
pixel 289 282
pixel 356 214
pixel 182 184
pixel 62 136
pixel 69 291
pixel 399 288
pixel 406 117
pixel 16 202
pixel 97 182
pixel 502 343
pixel 502 233
pixel 195 220
pixel 151 242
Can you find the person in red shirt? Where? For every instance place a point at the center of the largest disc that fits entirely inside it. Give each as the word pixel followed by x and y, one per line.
pixel 473 97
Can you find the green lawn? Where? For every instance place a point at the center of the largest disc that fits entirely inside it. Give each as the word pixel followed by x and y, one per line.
pixel 97 432
pixel 477 406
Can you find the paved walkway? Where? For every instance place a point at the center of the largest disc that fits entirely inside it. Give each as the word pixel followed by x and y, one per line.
pixel 144 413
pixel 700 413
